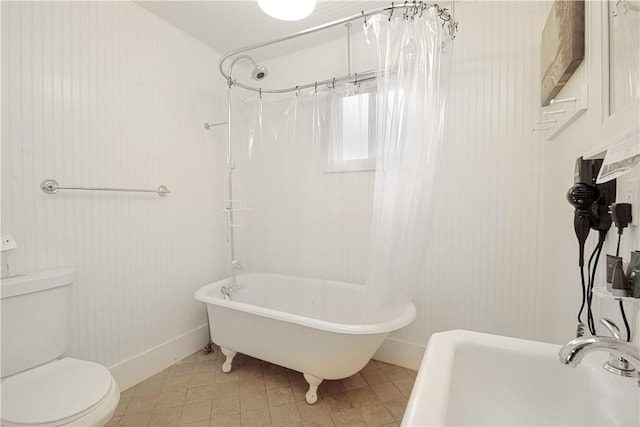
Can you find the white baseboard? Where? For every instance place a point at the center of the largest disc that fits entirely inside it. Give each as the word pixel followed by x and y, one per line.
pixel 401 353
pixel 144 365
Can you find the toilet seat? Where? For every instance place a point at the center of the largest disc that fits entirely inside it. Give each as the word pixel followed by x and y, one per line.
pixel 58 393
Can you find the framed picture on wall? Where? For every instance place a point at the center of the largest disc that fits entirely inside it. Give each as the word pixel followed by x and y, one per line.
pixel 562 47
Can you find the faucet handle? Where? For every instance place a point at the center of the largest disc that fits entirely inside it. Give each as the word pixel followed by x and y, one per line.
pixel 611 327
pixel 617 364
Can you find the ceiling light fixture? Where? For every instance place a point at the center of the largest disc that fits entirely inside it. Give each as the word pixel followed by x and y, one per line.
pixel 287 10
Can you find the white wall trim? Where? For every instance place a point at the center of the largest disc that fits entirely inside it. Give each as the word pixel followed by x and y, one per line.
pixel 144 365
pixel 401 353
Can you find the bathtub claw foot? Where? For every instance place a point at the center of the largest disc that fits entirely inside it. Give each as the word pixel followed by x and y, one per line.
pixel 229 354
pixel 312 395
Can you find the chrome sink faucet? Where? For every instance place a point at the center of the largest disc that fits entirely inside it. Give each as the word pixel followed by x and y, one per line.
pixel 625 357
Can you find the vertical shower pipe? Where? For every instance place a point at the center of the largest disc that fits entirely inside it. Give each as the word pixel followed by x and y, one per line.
pixel 229 207
pixel 348 25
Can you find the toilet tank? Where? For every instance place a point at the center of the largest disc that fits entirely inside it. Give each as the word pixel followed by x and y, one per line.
pixel 35 318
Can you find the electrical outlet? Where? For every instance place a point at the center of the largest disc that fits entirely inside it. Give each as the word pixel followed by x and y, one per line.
pixel 8 242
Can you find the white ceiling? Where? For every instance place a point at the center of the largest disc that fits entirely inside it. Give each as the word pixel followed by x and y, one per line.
pixel 230 24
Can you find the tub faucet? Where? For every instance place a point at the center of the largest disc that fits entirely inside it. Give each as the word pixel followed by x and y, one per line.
pixel 225 291
pixel 572 353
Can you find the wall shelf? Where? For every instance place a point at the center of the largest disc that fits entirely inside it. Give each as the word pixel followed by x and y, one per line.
pixel 602 292
pixel 562 112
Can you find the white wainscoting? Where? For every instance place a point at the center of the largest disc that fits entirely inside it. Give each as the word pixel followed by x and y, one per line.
pixel 483 270
pixel 107 94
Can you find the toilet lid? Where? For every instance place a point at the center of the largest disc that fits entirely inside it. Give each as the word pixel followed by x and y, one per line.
pixel 55 391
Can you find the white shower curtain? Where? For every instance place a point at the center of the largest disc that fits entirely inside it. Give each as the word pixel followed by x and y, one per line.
pixel 309 214
pixel 301 218
pixel 414 62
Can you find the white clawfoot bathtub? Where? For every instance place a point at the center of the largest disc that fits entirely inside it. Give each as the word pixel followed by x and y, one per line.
pixel 308 325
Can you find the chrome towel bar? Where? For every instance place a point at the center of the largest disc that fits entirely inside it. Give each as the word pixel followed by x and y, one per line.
pixel 51 186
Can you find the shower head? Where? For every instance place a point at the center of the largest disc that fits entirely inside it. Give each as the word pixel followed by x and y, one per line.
pixel 259 72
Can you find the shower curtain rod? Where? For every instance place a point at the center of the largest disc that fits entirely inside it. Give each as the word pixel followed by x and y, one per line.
pixel 411 10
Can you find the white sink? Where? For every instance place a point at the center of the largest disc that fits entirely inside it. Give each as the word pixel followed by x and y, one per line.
pixel 471 378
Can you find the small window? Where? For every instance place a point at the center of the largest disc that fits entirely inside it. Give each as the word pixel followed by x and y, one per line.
pixel 353 144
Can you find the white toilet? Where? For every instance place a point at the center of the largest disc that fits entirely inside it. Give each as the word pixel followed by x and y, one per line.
pixel 41 387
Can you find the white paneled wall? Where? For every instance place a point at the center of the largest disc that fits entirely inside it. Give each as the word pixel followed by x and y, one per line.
pixel 107 94
pixel 590 133
pixel 483 267
pixel 482 272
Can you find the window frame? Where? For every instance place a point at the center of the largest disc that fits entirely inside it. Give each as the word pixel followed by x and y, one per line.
pixel 336 143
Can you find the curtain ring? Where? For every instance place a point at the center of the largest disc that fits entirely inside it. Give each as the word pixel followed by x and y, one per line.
pixel 333 83
pixel 355 81
pixel 444 15
pixel 391 12
pixel 297 90
pixel 260 91
pixel 365 17
pixel 315 88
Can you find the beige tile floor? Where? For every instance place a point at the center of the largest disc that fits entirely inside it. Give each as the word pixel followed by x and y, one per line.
pixel 195 392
